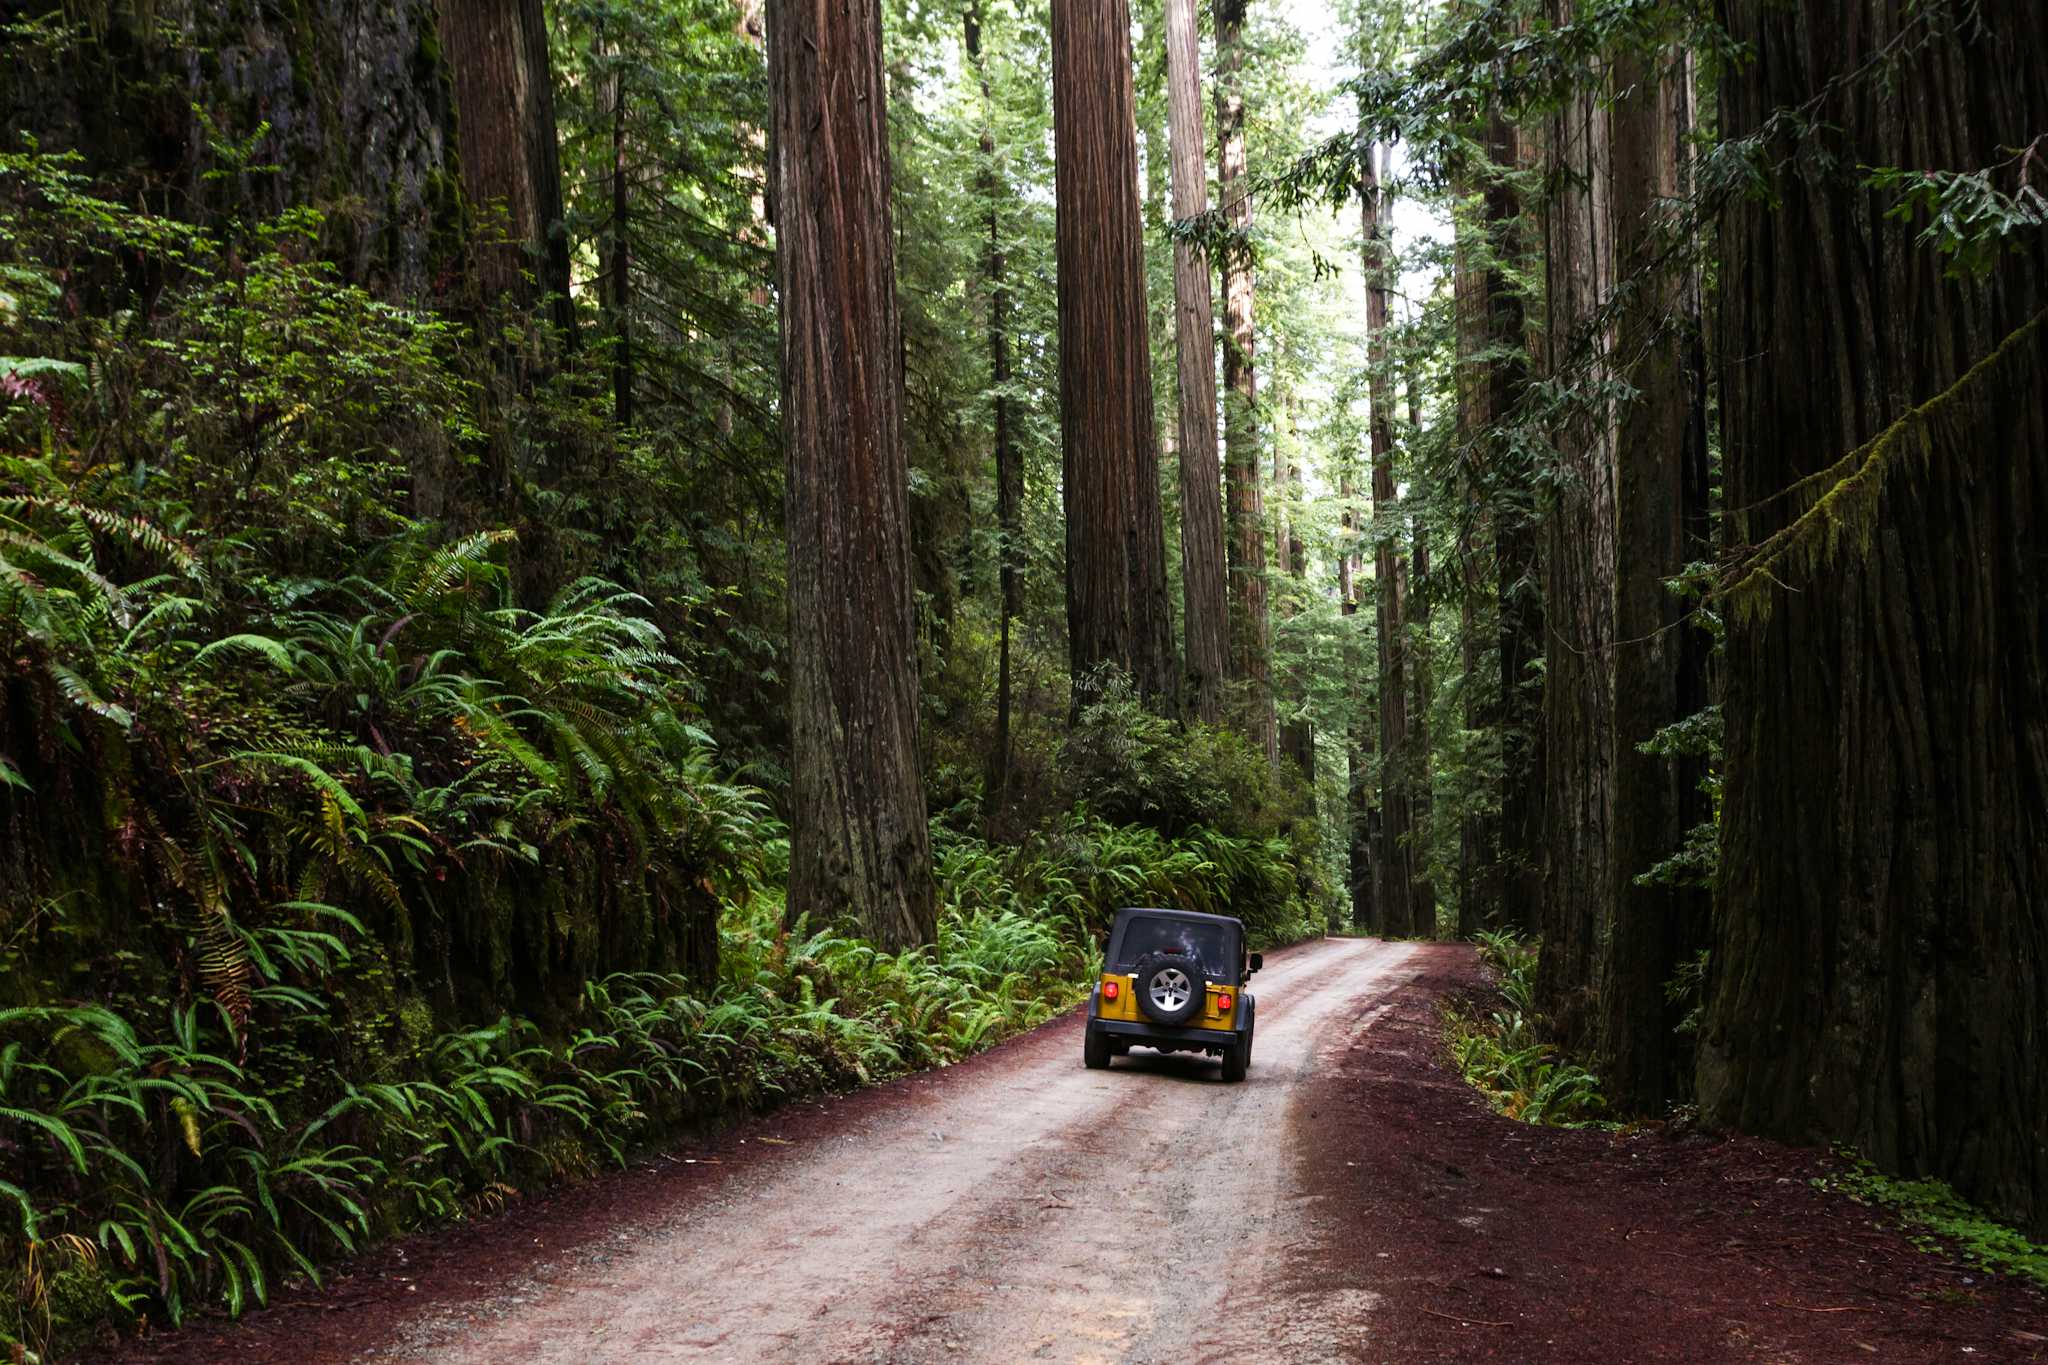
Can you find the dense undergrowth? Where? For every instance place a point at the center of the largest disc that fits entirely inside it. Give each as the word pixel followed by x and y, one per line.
pixel 1503 1053
pixel 173 1161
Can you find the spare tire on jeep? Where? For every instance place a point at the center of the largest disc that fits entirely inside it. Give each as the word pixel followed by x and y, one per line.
pixel 1171 987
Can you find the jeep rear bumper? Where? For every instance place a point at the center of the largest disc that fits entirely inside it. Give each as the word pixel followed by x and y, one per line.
pixel 1200 1037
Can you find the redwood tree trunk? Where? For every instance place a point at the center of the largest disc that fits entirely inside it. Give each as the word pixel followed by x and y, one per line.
pixel 1661 434
pixel 859 841
pixel 1422 692
pixel 620 262
pixel 1117 608
pixel 1578 568
pixel 1251 648
pixel 1297 736
pixel 1880 974
pixel 1479 697
pixel 1009 472
pixel 1394 883
pixel 505 123
pixel 1201 485
pixel 1518 866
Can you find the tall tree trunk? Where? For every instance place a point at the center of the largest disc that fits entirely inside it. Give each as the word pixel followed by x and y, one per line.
pixel 619 260
pixel 1578 566
pixel 1422 685
pixel 1297 736
pixel 1207 625
pixel 1880 972
pixel 1009 471
pixel 1251 648
pixel 1394 887
pixel 1661 436
pixel 1518 868
pixel 505 102
pixel 1358 740
pixel 1117 609
pixel 1479 697
pixel 859 840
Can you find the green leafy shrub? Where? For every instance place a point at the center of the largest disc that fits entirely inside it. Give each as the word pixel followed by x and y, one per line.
pixel 1135 766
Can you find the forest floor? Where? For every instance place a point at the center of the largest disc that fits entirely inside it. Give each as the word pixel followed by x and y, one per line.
pixel 1353 1200
pixel 1483 1239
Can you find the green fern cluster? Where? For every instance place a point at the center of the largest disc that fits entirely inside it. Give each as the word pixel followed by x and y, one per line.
pixel 336 1128
pixel 1503 1054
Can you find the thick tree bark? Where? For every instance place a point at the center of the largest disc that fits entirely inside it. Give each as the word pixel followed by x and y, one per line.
pixel 1578 567
pixel 1009 470
pixel 1880 973
pixel 1394 885
pixel 505 101
pixel 1206 613
pixel 1117 608
pixel 1251 648
pixel 859 841
pixel 1661 435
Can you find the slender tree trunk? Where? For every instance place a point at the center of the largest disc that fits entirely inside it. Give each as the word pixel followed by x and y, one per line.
pixel 859 840
pixel 1651 926
pixel 1117 609
pixel 1207 625
pixel 1394 887
pixel 505 121
pixel 1578 568
pixel 1009 472
pixel 1251 649
pixel 1880 971
pixel 620 261
pixel 1422 683
pixel 1297 736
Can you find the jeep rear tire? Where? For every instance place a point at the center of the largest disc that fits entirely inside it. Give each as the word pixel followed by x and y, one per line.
pixel 1236 1058
pixel 1171 987
pixel 1095 1049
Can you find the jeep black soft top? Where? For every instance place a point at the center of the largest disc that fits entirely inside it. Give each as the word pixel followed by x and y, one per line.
pixel 1217 940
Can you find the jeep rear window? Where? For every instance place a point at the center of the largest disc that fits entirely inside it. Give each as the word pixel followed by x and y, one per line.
pixel 1213 943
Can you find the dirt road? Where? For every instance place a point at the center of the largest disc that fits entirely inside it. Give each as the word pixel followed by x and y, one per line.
pixel 1027 1209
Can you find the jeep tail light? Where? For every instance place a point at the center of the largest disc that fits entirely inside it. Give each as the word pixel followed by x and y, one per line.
pixel 1223 1002
pixel 1109 990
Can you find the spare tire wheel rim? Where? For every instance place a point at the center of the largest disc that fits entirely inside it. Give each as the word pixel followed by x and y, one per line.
pixel 1170 989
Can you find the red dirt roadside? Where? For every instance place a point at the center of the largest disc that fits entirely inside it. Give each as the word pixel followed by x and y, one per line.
pixel 1481 1239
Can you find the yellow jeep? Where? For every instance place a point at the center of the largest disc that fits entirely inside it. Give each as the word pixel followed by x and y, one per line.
pixel 1173 980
